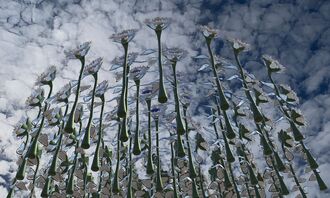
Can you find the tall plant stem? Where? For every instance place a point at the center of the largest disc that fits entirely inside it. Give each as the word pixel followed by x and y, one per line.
pixel 174 172
pixel 150 164
pixel 96 160
pixel 159 185
pixel 162 95
pixel 129 190
pixel 137 146
pixel 223 101
pixel 115 185
pixel 69 127
pixel 85 144
pixel 122 107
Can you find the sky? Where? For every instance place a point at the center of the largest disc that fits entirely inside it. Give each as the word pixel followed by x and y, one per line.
pixel 35 33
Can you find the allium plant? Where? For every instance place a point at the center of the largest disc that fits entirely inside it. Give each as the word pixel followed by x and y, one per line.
pixel 235 149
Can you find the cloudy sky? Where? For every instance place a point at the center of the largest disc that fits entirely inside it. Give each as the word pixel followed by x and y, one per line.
pixel 34 34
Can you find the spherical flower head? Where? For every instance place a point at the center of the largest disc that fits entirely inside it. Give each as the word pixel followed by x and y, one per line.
pixel 36 97
pixel 101 88
pixel 124 37
pixel 54 116
pixel 209 33
pixel 158 24
pixel 93 67
pixel 174 54
pixel 47 77
pixel 80 52
pixel 239 46
pixel 64 93
pixel 137 73
pixel 272 64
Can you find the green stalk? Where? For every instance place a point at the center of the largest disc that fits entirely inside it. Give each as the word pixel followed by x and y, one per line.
pixel 32 152
pixel 137 146
pixel 173 173
pixel 233 178
pixel 229 155
pixel 310 159
pixel 320 181
pixel 201 181
pixel 257 115
pixel 150 166
pixel 284 190
pixel 96 160
pixel 101 174
pixel 230 131
pixel 52 169
pixel 223 101
pixel 115 185
pixel 85 144
pixel 159 185
pixel 69 127
pixel 180 128
pixel 192 170
pixel 302 192
pixel 21 171
pixel 34 177
pixel 129 188
pixel 122 107
pixel 124 136
pixel 162 95
pixel 180 148
pixel 45 189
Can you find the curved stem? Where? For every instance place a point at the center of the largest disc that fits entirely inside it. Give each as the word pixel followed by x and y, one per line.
pixel 69 127
pixel 96 159
pixel 85 144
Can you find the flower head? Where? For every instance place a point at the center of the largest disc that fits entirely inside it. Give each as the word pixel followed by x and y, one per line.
pixel 239 46
pixel 208 32
pixel 93 67
pixel 47 77
pixel 174 54
pixel 79 52
pixel 36 97
pixel 124 37
pixel 158 23
pixel 137 73
pixel 64 93
pixel 101 88
pixel 272 64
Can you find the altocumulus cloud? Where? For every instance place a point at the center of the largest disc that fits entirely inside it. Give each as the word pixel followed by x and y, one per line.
pixel 34 34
